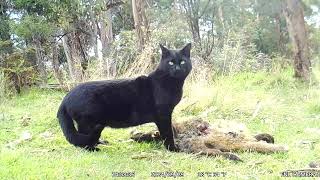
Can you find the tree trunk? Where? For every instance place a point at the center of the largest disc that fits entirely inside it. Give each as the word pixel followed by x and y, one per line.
pixel 221 16
pixel 106 41
pixel 139 23
pixel 145 24
pixel 68 56
pixel 78 49
pixel 94 34
pixel 73 59
pixel 55 63
pixel 40 60
pixel 106 32
pixel 196 31
pixel 278 31
pixel 297 31
pixel 191 9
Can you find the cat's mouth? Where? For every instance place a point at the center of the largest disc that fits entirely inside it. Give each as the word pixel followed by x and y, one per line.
pixel 178 74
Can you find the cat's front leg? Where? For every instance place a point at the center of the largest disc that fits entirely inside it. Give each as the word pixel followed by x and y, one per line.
pixel 164 125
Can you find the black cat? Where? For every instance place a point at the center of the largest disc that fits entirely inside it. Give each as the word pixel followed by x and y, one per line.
pixel 127 102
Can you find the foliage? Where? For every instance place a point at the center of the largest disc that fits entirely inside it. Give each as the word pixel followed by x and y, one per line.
pixel 236 53
pixel 232 34
pixel 5 90
pixel 17 72
pixel 123 19
pixel 31 26
pixel 4 19
pixel 124 51
pixel 5 47
pixel 315 45
pixel 125 54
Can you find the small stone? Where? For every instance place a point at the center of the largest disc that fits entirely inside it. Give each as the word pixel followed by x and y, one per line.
pixel 46 135
pixel 314 164
pixel 26 135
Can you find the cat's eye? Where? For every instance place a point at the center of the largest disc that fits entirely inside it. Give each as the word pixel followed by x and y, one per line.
pixel 182 62
pixel 170 63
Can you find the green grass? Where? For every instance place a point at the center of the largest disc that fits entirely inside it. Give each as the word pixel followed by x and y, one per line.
pixel 288 109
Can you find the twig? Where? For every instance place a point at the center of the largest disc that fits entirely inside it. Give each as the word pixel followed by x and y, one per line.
pixel 62 35
pixel 256 111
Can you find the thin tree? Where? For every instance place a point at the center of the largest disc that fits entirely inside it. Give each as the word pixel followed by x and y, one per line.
pixel 40 59
pixel 141 24
pixel 106 37
pixel 55 62
pixel 294 14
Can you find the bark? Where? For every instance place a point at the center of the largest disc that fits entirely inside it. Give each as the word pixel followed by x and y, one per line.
pixel 221 16
pixel 105 29
pixel 194 23
pixel 145 23
pixel 297 31
pixel 78 50
pixel 40 60
pixel 68 56
pixel 191 9
pixel 73 58
pixel 55 64
pixel 106 32
pixel 94 34
pixel 106 41
pixel 106 37
pixel 278 30
pixel 140 22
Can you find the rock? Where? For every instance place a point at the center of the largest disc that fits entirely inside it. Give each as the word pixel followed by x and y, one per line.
pixel 46 135
pixel 25 136
pixel 314 164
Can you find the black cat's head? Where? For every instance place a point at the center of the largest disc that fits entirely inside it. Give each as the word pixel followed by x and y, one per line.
pixel 176 63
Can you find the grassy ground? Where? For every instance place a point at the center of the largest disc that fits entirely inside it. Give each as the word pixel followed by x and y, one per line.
pixel 288 110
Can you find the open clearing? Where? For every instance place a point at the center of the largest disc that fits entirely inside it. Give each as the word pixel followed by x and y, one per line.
pixel 289 110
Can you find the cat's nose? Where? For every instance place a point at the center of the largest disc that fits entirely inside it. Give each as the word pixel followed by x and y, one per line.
pixel 178 68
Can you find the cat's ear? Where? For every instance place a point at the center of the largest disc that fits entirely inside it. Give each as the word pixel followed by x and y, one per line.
pixel 186 50
pixel 164 51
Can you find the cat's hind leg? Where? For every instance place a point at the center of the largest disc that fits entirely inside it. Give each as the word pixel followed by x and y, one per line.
pixel 86 128
pixel 103 142
pixel 94 131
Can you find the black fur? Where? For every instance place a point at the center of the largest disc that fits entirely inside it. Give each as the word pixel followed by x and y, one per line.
pixel 128 102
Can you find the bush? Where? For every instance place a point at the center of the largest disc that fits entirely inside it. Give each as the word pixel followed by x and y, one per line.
pixel 235 55
pixel 17 72
pixel 126 60
pixel 2 87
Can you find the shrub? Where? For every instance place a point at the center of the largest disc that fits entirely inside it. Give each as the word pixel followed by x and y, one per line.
pixel 17 72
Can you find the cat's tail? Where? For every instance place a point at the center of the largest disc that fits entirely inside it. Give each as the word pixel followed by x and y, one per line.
pixel 73 136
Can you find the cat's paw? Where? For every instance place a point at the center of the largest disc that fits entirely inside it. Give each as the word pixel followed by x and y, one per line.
pixel 92 149
pixel 103 142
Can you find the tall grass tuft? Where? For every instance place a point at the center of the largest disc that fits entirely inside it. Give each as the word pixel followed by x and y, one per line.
pixel 7 89
pixel 3 87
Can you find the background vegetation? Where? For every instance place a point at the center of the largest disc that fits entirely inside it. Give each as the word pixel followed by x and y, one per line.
pixel 255 62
